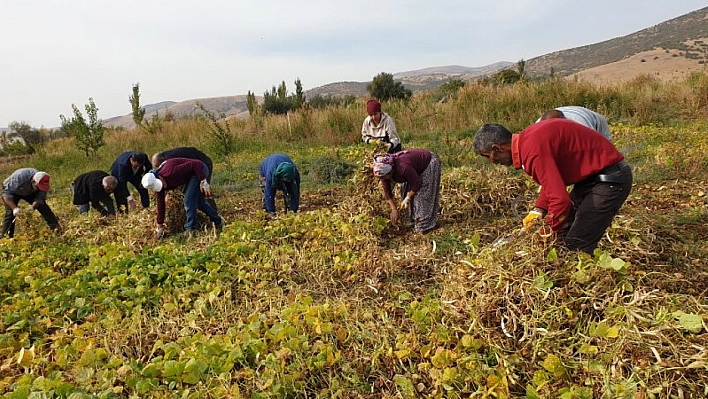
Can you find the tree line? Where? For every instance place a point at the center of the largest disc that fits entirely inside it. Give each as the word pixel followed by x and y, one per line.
pixel 88 130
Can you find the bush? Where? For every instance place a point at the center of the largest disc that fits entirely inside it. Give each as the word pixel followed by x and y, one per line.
pixel 330 169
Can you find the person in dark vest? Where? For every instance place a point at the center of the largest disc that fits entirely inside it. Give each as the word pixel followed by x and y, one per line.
pixel 130 167
pixel 94 189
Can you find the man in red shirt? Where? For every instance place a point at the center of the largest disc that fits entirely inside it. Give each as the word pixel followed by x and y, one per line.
pixel 191 173
pixel 557 153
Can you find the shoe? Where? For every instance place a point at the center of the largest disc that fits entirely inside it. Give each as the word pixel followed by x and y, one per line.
pixel 219 227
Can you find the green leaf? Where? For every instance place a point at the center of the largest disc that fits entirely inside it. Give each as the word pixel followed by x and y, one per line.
pixel 588 349
pixel 553 365
pixel 150 371
pixel 617 264
pixel 172 368
pixel 552 255
pixel 542 282
pixel 405 386
pixel 605 331
pixel 689 321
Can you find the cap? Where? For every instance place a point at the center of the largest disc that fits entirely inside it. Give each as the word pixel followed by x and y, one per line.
pixel 151 182
pixel 42 181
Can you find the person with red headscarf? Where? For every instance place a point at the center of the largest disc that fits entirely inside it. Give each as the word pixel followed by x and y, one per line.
pixel 380 126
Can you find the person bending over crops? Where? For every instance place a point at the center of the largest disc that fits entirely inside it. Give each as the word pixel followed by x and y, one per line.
pixel 557 153
pixel 419 170
pixel 30 185
pixel 583 116
pixel 192 174
pixel 278 172
pixel 130 167
pixel 191 153
pixel 95 188
pixel 380 126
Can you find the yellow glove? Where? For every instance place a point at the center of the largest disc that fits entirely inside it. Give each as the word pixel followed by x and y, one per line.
pixel 531 218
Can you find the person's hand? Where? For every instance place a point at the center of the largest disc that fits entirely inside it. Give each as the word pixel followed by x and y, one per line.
pixel 205 188
pixel 131 204
pixel 394 216
pixel 531 218
pixel 389 146
pixel 404 203
pixel 545 236
pixel 16 211
pixel 160 231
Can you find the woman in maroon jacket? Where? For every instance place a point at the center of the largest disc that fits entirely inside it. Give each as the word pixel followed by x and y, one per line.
pixel 419 170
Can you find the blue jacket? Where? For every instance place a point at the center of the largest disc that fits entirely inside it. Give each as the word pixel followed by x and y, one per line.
pixel 273 182
pixel 123 170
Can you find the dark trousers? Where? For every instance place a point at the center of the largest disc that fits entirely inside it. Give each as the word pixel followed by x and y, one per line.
pixel 595 203
pixel 8 223
pixel 286 197
pixel 121 194
pixel 194 200
pixel 395 149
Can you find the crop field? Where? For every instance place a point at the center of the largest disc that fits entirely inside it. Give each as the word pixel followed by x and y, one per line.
pixel 335 302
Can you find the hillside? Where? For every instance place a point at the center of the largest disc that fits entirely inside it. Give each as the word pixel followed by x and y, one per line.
pixel 666 50
pixel 687 35
pixel 231 106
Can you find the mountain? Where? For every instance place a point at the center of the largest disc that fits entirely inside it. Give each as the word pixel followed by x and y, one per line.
pixel 682 37
pixel 232 106
pixel 665 50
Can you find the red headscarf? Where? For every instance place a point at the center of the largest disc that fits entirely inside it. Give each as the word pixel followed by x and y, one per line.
pixel 372 107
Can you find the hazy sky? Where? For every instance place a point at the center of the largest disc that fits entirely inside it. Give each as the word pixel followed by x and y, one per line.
pixel 55 53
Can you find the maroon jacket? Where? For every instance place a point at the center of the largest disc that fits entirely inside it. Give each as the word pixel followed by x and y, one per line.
pixel 557 153
pixel 176 172
pixel 407 168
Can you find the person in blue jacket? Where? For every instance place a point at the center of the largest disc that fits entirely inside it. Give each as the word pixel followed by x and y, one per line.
pixel 278 172
pixel 130 167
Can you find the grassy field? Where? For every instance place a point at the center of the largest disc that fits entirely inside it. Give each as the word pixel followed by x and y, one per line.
pixel 334 301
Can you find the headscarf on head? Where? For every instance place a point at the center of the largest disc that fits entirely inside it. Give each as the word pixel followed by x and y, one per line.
pixel 383 164
pixel 372 107
pixel 285 170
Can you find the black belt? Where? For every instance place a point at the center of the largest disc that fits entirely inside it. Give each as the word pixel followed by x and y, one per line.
pixel 613 168
pixel 611 173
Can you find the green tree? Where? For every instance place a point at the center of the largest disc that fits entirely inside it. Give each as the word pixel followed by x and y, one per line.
pixel 219 130
pixel 299 98
pixel 27 133
pixel 506 76
pixel 276 101
pixel 384 88
pixel 88 135
pixel 521 68
pixel 251 103
pixel 138 111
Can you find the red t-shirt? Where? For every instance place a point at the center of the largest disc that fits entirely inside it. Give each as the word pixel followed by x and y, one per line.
pixel 557 153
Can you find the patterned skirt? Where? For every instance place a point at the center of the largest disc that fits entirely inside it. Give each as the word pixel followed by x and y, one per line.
pixel 424 208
